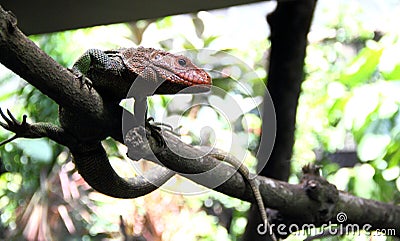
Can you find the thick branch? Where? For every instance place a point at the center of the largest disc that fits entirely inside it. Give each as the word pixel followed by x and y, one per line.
pixel 22 56
pixel 364 211
pixel 314 201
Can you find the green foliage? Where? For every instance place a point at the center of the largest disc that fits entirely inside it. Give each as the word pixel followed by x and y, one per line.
pixel 363 65
pixel 393 74
pixel 350 102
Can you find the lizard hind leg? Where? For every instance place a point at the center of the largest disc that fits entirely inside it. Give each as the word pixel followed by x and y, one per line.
pixel 35 130
pixel 21 129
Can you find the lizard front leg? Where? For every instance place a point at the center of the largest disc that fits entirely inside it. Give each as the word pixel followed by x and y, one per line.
pixel 139 118
pixel 97 59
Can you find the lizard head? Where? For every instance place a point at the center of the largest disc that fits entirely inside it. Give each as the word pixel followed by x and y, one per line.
pixel 171 73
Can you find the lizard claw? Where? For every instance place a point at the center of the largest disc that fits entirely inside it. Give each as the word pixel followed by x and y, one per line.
pixel 150 122
pixel 87 82
pixel 156 130
pixel 81 78
pixel 21 129
pixel 161 125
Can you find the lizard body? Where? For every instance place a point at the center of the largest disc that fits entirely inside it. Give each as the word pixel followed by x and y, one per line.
pixel 111 73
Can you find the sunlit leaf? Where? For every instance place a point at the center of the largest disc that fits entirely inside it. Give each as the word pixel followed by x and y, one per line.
pixel 38 149
pixel 373 146
pixel 391 174
pixel 394 74
pixel 363 66
pixel 209 40
pixel 363 183
pixel 188 45
pixel 335 113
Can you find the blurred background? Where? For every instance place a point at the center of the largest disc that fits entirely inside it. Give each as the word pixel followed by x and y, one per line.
pixel 348 120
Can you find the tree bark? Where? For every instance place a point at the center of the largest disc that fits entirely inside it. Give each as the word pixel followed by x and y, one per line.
pixel 23 57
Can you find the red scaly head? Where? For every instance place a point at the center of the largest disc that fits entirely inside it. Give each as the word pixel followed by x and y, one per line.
pixel 172 73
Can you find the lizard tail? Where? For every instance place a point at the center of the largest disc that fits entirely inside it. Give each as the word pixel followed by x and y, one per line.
pixel 92 163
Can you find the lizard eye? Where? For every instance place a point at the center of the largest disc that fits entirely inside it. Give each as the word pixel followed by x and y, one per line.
pixel 182 62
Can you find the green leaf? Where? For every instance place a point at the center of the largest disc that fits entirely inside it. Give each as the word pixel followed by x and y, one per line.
pixel 188 45
pixel 363 65
pixel 394 74
pixel 335 113
pixel 373 146
pixel 209 40
pixel 198 26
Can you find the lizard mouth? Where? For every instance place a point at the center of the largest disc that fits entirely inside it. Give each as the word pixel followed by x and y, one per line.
pixel 195 77
pixel 186 82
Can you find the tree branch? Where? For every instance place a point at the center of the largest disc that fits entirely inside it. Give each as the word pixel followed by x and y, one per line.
pixel 22 56
pixel 313 201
